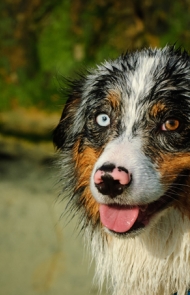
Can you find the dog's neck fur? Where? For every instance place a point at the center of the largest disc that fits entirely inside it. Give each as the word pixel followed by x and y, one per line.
pixel 154 262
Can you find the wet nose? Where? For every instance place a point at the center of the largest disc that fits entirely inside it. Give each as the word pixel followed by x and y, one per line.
pixel 111 180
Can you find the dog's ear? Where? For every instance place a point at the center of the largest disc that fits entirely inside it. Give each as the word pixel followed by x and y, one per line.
pixel 65 133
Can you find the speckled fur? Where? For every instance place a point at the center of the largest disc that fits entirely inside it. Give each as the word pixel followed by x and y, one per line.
pixel 138 91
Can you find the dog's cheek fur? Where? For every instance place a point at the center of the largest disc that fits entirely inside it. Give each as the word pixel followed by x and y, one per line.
pixel 171 167
pixel 85 160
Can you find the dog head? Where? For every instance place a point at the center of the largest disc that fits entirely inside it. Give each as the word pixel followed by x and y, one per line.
pixel 125 139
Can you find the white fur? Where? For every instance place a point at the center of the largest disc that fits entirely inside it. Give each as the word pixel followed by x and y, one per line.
pixel 155 262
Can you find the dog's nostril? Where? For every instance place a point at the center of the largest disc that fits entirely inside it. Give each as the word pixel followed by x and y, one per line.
pixel 111 182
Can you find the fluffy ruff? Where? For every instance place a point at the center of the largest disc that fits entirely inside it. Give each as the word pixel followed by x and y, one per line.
pixel 155 262
pixel 124 144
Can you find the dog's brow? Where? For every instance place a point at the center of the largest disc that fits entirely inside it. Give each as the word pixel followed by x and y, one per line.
pixel 114 97
pixel 157 108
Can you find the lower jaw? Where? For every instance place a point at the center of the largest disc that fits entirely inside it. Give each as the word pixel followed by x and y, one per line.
pixel 134 231
pixel 129 234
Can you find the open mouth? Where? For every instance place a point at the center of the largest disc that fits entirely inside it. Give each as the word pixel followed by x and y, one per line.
pixel 123 219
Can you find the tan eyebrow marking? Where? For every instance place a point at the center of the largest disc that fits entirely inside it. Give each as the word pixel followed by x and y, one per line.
pixel 115 98
pixel 157 108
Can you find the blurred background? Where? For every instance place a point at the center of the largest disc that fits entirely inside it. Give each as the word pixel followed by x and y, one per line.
pixel 41 40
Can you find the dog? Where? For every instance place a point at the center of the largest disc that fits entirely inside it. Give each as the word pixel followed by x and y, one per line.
pixel 124 145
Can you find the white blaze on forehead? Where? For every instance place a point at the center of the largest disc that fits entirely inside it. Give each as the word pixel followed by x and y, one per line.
pixel 139 83
pixel 142 79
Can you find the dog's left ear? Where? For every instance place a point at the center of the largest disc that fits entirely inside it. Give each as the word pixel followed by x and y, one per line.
pixel 66 131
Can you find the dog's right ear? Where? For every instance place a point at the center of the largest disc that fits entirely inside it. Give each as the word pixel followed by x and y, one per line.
pixel 65 134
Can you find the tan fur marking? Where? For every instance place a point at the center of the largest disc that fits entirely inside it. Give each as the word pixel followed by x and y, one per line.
pixel 114 98
pixel 85 161
pixel 157 108
pixel 170 168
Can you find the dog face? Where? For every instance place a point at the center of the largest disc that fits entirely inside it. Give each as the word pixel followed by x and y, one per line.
pixel 125 139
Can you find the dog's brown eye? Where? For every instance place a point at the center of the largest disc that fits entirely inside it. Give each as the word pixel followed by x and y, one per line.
pixel 170 125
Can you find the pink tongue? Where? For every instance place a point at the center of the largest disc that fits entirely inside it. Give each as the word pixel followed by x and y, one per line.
pixel 118 218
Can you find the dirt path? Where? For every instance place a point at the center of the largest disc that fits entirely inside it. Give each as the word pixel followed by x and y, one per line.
pixel 38 254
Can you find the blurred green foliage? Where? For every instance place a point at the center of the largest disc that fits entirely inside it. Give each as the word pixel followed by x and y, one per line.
pixel 41 39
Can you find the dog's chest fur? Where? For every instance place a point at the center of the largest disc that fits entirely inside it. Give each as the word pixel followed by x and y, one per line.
pixel 156 262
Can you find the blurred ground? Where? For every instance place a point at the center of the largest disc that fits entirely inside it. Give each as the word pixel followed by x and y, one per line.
pixel 39 253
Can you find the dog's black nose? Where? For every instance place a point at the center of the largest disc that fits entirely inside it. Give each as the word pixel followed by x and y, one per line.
pixel 111 180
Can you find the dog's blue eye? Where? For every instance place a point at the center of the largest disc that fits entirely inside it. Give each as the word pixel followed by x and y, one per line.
pixel 103 120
